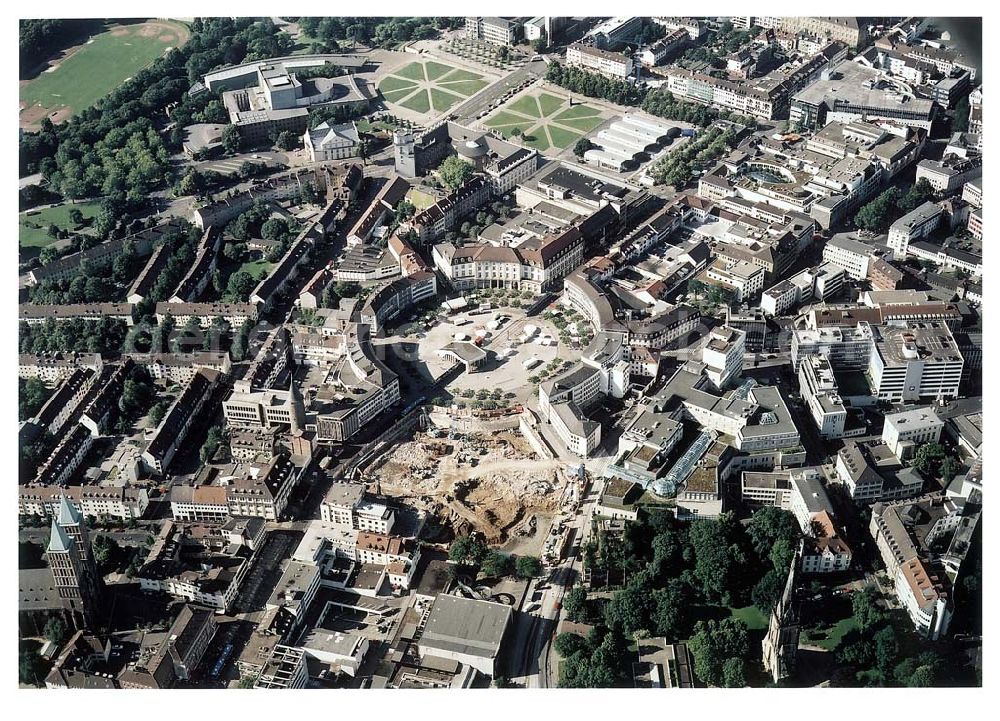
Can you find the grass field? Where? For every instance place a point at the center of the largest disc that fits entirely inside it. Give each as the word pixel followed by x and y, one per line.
pixel 505 118
pixel 394 96
pixel 29 237
pixel 97 67
pixel 257 268
pixel 394 83
pixel 526 105
pixel 460 74
pixel 421 86
pixel 464 87
pixel 538 140
pixel 419 199
pixel 549 103
pixel 584 125
pixel 753 617
pixel 577 111
pixel 546 120
pixel 435 70
pixel 830 638
pixel 418 102
pixel 443 100
pixel 413 71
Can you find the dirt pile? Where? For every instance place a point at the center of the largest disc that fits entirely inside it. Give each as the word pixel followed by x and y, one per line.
pixel 494 484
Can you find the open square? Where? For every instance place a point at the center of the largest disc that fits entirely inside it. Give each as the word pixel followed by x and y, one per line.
pixel 546 120
pixel 425 86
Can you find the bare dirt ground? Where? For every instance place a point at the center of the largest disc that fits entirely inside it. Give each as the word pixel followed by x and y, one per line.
pixel 494 484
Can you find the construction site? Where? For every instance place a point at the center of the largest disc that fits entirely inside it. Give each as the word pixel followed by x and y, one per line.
pixel 492 483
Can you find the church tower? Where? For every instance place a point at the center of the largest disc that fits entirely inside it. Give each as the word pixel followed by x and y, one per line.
pixel 74 571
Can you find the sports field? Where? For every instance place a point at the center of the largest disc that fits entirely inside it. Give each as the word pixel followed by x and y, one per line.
pixel 90 71
pixel 546 121
pixel 423 86
pixel 32 237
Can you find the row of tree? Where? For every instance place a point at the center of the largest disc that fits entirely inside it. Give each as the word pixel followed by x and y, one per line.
pixel 104 336
pixel 890 205
pixel 594 85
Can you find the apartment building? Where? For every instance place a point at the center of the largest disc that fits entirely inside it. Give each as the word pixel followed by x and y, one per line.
pixel 949 174
pixel 853 255
pixel 34 314
pixel 179 418
pixel 432 222
pixel 871 472
pixel 346 505
pixel 723 355
pixel 818 387
pixel 53 368
pixel 506 173
pixel 904 532
pixel 141 243
pixel 744 279
pixel 328 142
pixel 918 360
pixel 124 502
pixel 394 297
pixel 359 388
pixel 604 62
pixel 538 264
pixel 236 314
pixel 825 551
pixel 497 31
pixel 904 432
pixel 564 401
pixel 850 92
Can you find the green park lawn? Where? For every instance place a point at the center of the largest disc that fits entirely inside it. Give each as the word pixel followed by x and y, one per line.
pixel 101 65
pixel 562 138
pixel 504 118
pixel 435 70
pixel 549 103
pixel 526 105
pixel 394 96
pixel 419 102
pixel 445 86
pixel 420 199
pixel 584 125
pixel 443 100
pixel 29 237
pixel 753 617
pixel 464 87
pixel 394 83
pixel 413 71
pixel 577 111
pixel 538 140
pixel 829 638
pixel 257 268
pixel 460 74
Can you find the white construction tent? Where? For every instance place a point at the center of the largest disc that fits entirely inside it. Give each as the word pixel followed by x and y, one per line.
pixel 622 141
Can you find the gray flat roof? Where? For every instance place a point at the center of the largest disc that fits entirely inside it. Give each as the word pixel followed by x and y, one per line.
pixel 465 625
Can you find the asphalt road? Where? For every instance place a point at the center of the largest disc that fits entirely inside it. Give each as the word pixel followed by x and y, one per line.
pixel 536 630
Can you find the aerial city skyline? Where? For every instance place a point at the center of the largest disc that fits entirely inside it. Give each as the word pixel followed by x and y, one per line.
pixel 500 352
